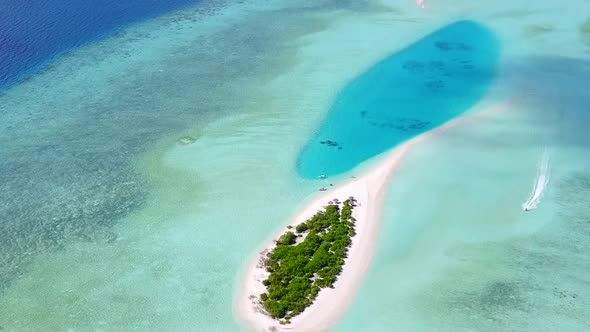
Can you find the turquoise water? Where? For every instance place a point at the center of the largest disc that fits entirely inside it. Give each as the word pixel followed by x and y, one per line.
pixel 410 92
pixel 448 266
pixel 142 173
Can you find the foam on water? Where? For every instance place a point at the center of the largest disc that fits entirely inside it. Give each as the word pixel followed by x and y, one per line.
pixel 541 182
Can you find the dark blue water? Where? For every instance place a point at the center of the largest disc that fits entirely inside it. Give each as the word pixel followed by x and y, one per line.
pixel 410 92
pixel 33 32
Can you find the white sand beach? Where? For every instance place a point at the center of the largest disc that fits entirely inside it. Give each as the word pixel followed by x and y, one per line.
pixel 330 305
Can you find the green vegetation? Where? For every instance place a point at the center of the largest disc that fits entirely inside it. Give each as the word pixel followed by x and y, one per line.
pixel 298 271
pixel 287 239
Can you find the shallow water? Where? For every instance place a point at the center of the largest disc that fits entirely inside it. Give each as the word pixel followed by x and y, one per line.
pixel 33 33
pixel 102 210
pixel 471 259
pixel 141 173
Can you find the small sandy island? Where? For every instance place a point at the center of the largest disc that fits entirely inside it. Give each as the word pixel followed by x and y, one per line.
pixel 331 303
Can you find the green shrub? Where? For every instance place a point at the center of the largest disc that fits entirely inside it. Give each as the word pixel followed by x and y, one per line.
pixel 301 227
pixel 276 309
pixel 288 238
pixel 291 286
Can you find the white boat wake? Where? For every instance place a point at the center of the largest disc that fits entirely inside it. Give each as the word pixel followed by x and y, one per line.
pixel 540 184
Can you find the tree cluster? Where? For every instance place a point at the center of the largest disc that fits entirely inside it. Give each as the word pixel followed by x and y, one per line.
pixel 298 271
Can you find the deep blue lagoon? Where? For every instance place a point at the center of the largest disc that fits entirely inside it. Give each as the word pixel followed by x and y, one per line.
pixel 33 32
pixel 410 92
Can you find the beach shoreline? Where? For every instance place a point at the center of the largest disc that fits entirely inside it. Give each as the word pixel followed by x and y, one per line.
pixel 331 304
pixel 369 190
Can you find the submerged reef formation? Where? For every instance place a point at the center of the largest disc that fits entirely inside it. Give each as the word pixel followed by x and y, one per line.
pixel 298 271
pixel 186 140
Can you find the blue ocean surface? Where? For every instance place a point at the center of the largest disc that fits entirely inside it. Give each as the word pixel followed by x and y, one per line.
pixel 410 92
pixel 33 32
